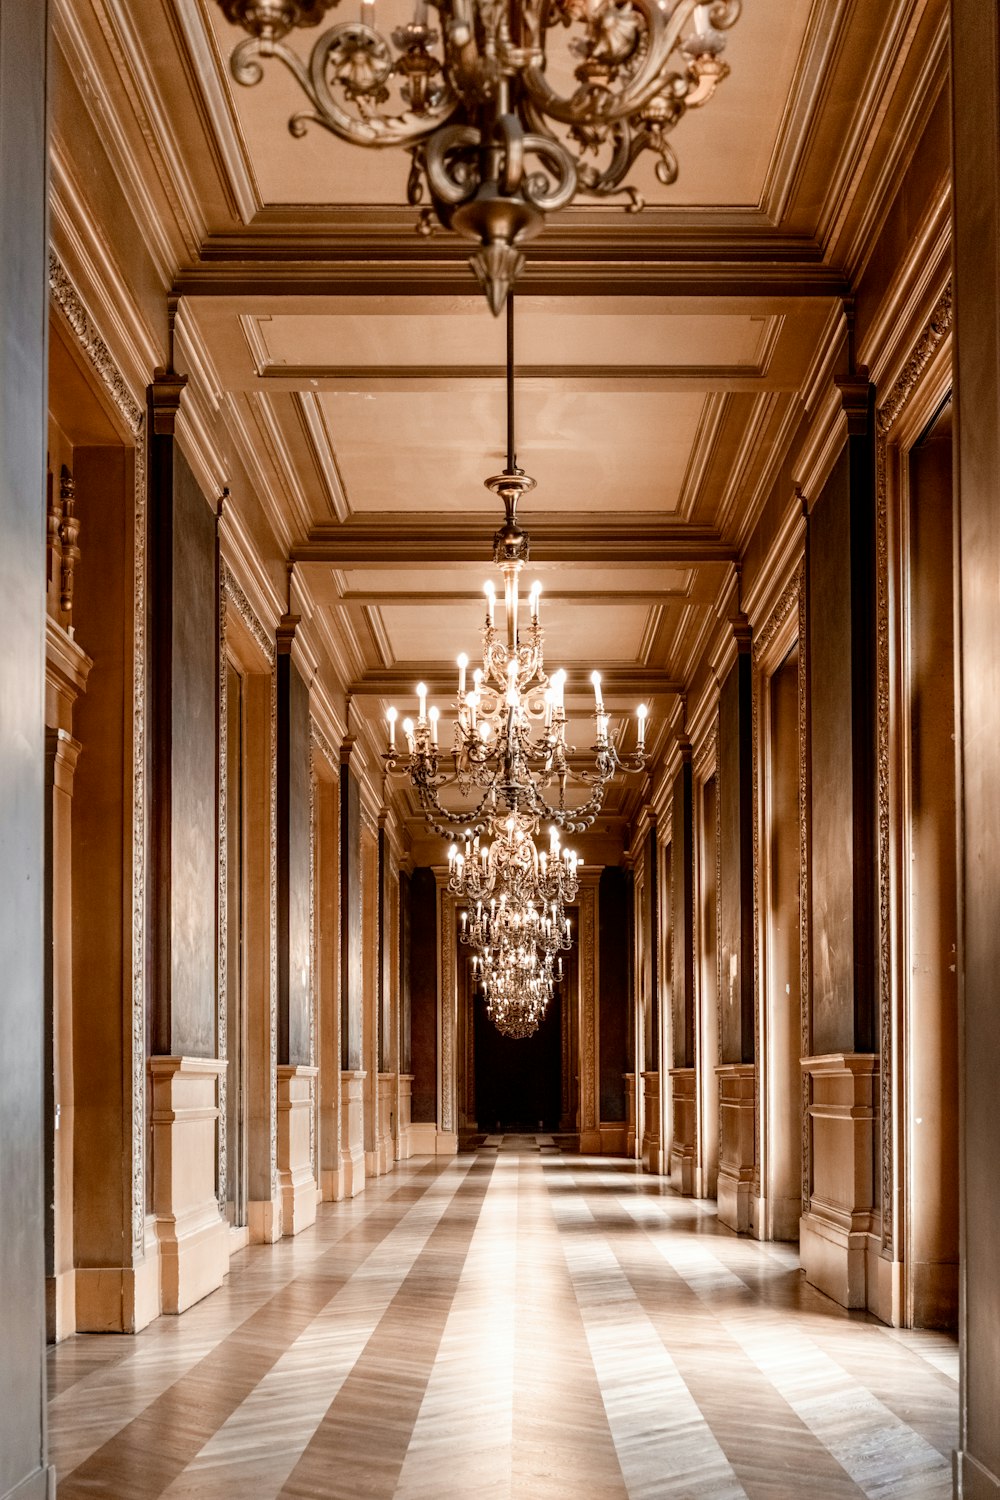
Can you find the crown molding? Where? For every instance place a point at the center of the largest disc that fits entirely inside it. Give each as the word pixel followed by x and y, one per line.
pixel 440 677
pixel 398 537
pixel 100 282
pixel 208 78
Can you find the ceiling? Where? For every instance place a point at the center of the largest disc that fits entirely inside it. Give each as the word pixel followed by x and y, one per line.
pixel 662 358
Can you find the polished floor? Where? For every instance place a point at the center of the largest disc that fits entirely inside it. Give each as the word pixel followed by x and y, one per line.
pixel 514 1324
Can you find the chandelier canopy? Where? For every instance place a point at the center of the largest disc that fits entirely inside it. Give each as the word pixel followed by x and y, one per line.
pixel 508 108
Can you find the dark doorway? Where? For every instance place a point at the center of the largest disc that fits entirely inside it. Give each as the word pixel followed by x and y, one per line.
pixel 518 1082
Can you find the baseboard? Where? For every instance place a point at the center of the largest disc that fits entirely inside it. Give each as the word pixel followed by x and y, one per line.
pixel 41 1485
pixel 972 1480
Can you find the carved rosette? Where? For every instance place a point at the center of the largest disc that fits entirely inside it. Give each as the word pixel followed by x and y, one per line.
pixel 132 413
pixel 888 412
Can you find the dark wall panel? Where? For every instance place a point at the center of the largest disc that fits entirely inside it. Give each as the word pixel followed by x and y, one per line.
pixel 351 970
pixel 193 770
pixel 735 783
pixel 614 976
pixel 682 918
pixel 23 303
pixel 293 864
pixel 842 765
pixel 830 744
pixel 405 1048
pixel 423 993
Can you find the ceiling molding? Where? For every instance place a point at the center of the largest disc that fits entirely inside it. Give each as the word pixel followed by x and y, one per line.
pixel 208 74
pixel 397 273
pixel 382 682
pixel 399 539
pixel 823 37
pixel 313 421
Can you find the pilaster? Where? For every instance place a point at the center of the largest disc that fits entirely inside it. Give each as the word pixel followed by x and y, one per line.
pixel 736 1144
pixel 835 1232
pixel 295 1168
pixel 975 96
pixel 652 1149
pixel 193 1237
pixel 352 1132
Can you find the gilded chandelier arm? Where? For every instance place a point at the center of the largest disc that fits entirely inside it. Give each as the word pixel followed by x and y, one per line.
pixel 355 57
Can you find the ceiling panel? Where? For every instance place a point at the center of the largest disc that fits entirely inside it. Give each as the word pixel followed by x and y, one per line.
pixel 572 633
pixel 432 451
pixel 548 335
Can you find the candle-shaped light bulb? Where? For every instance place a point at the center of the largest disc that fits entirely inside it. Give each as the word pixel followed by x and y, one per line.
pixel 536 590
pixel 422 695
pixel 641 713
pixel 484 731
pixel 595 678
pixel 463 662
pixel 451 853
pixel 491 598
pixel 392 715
pixel 408 731
pixel 435 714
pixel 559 685
pixel 553 838
pixel 547 699
pixel 465 922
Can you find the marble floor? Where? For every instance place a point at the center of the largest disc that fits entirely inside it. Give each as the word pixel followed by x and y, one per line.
pixel 512 1324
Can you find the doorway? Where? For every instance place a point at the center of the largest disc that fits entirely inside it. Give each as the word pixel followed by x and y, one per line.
pixel 518 1083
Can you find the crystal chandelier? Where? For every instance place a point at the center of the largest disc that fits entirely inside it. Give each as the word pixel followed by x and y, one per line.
pixel 517 986
pixel 508 110
pixel 509 748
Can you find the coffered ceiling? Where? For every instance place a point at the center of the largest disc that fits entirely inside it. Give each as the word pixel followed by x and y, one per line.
pixel 663 358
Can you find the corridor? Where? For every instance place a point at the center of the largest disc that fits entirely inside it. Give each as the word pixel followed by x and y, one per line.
pixel 512 1322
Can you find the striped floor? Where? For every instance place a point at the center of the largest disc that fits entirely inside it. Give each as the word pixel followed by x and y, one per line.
pixel 513 1324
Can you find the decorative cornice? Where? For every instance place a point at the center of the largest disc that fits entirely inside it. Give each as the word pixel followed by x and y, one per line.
pixel 236 596
pixel 93 346
pixel 322 744
pixel 931 339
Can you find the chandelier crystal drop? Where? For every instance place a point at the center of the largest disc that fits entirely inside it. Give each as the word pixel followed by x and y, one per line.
pixel 508 110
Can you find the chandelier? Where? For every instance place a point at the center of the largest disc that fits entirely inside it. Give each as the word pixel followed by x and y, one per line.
pixel 508 110
pixel 517 985
pixel 509 750
pixel 510 756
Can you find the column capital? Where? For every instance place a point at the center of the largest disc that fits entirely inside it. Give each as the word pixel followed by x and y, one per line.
pixel 855 398
pixel 164 397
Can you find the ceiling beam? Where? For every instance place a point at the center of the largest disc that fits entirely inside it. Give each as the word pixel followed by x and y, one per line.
pixel 440 677
pixel 390 276
pixel 600 538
